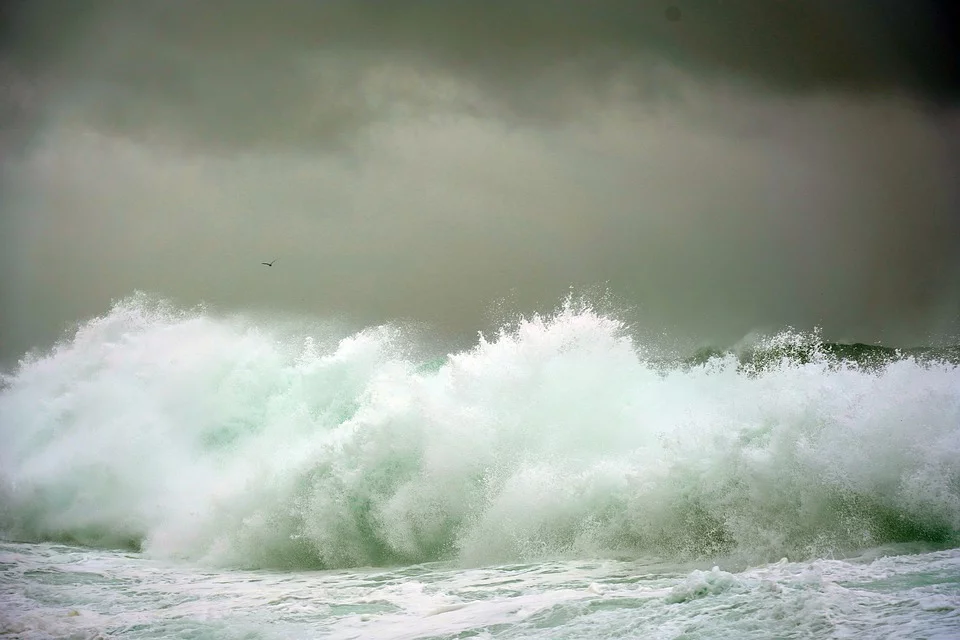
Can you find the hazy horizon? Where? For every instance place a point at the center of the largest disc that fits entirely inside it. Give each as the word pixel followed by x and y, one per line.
pixel 747 167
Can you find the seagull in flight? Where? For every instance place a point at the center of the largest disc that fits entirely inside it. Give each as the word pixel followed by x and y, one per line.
pixel 269 264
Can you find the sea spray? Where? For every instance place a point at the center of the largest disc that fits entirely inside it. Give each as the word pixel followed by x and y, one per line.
pixel 229 441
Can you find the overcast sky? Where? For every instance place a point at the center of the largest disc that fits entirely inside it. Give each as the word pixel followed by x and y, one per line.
pixel 752 165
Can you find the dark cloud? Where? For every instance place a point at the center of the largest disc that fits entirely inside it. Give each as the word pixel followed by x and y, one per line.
pixel 750 165
pixel 217 68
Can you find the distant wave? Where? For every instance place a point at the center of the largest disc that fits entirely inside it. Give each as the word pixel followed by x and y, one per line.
pixel 228 441
pixel 802 348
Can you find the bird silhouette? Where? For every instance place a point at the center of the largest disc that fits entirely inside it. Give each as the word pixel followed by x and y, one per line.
pixel 269 264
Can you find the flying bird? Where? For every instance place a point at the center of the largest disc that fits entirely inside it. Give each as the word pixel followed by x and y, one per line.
pixel 269 264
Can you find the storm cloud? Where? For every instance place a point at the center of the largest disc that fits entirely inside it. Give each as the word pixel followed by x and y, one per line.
pixel 748 166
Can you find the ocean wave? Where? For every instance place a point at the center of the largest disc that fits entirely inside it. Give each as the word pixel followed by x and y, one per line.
pixel 225 440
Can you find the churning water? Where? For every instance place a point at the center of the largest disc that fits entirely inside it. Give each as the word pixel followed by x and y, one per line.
pixel 175 473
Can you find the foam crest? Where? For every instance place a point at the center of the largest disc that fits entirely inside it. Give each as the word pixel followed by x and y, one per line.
pixel 231 441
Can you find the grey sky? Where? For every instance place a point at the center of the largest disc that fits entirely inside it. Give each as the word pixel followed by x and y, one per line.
pixel 749 166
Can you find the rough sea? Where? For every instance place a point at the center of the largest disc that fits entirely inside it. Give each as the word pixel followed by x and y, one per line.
pixel 175 473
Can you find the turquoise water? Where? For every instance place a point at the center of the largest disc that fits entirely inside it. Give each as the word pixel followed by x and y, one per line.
pixel 58 591
pixel 176 473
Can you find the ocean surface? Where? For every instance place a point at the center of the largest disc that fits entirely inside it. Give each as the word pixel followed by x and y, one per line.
pixel 178 473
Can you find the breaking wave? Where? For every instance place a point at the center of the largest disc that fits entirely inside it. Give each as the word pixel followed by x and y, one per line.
pixel 226 440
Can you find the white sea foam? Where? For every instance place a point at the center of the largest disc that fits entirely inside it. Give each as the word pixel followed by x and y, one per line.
pixel 228 441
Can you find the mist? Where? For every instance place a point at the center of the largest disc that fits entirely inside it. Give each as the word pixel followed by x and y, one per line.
pixel 748 166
